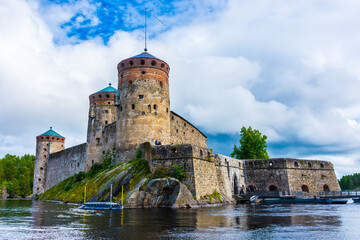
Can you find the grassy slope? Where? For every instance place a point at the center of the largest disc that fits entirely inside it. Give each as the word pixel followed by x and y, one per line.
pixel 72 191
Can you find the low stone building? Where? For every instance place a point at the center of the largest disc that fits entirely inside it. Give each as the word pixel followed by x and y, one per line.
pixel 138 111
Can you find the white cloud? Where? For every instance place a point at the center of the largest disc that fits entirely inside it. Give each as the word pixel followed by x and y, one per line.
pixel 289 69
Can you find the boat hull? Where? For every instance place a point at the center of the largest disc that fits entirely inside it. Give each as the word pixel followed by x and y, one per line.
pixel 101 206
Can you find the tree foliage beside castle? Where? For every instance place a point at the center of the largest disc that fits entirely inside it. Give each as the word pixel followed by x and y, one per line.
pixel 17 174
pixel 252 145
pixel 350 182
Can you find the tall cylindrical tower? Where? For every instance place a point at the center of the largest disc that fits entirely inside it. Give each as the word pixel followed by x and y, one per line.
pixel 102 112
pixel 46 144
pixel 144 106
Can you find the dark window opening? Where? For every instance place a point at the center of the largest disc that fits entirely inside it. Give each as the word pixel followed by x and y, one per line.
pixel 162 65
pixel 141 97
pixel 155 113
pixel 39 179
pixel 99 96
pixel 142 113
pixel 153 63
pixel 42 137
pixel 296 164
pixel 184 124
pixel 161 84
pixel 92 162
pixel 201 152
pixel 155 107
pixel 103 152
pixel 130 82
pixel 98 141
pixel 167 110
pixel 57 139
pixel 143 71
pixel 44 156
pixel 177 130
pixel 78 164
pixel 106 122
pixel 192 131
pixel 109 102
pixel 106 111
pixel 107 95
pixel 326 188
pixel 149 108
pixel 309 164
pixel 45 149
pixel 122 65
pixel 94 103
pixel 132 106
pixel 322 165
pixel 172 118
pixel 41 168
pixel 47 137
pixel 252 188
pixel 142 61
pixel 120 109
pixel 273 188
pixel 304 188
pixel 131 63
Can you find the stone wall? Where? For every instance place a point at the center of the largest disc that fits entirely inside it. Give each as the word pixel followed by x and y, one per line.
pixel 109 137
pixel 169 155
pixel 182 131
pixel 64 164
pixel 290 175
pixel 313 174
pixel 230 174
pixel 262 174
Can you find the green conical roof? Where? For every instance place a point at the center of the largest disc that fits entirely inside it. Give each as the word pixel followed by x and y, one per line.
pixel 108 89
pixel 51 133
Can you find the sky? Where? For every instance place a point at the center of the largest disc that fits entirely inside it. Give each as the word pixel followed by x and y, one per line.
pixel 290 69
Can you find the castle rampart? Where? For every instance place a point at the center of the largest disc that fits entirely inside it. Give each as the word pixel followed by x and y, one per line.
pixel 64 164
pixel 183 131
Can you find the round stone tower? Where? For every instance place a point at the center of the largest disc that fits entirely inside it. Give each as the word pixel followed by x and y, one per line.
pixel 144 105
pixel 102 112
pixel 46 144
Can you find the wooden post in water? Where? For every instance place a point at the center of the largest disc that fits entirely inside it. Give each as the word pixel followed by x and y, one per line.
pixel 85 195
pixel 111 193
pixel 122 194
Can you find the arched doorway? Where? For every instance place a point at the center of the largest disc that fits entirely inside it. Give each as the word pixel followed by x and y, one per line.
pixel 273 188
pixel 304 188
pixel 236 185
pixel 326 188
pixel 251 188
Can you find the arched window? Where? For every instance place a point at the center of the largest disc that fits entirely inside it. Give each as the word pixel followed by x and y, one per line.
pixel 322 165
pixel 142 61
pixel 107 95
pixel 296 164
pixel 153 62
pixel 131 63
pixel 273 188
pixel 271 164
pixel 326 188
pixel 304 188
pixel 309 164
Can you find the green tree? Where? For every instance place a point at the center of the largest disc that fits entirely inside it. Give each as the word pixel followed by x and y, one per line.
pixel 252 145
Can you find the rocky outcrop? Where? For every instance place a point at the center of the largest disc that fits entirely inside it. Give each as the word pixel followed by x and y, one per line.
pixel 3 193
pixel 164 192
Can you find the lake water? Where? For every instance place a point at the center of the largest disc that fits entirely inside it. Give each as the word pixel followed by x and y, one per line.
pixel 26 219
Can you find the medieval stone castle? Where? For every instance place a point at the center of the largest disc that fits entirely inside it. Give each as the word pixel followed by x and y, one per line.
pixel 138 112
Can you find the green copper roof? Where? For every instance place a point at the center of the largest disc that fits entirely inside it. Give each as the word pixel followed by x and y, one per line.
pixel 51 133
pixel 108 89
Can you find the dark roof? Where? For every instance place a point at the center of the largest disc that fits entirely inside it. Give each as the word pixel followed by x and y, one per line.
pixel 108 89
pixel 51 133
pixel 145 55
pixel 188 123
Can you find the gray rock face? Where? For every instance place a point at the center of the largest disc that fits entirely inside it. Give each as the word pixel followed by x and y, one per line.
pixel 164 192
pixel 3 193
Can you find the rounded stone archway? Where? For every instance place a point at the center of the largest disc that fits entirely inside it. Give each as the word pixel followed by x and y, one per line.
pixel 326 188
pixel 236 185
pixel 273 188
pixel 305 188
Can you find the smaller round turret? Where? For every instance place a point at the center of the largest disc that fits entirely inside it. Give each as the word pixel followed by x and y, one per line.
pixel 102 113
pixel 47 143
